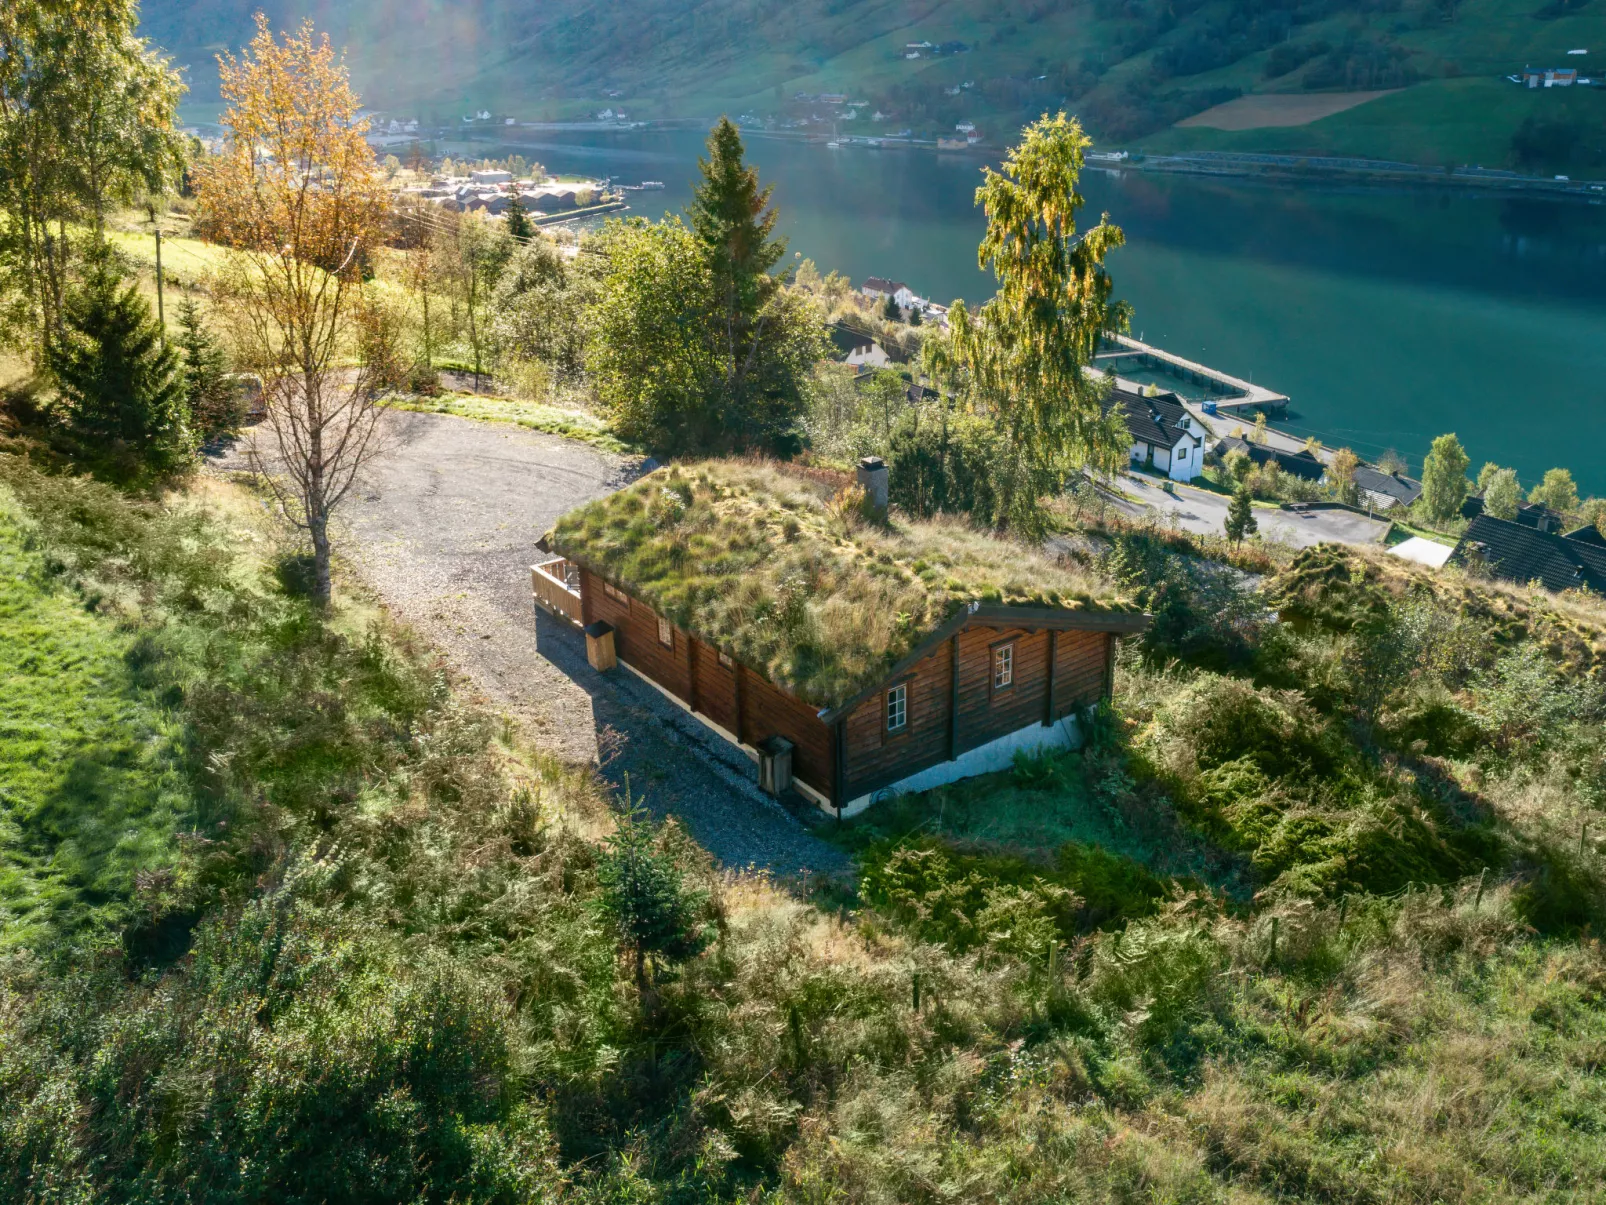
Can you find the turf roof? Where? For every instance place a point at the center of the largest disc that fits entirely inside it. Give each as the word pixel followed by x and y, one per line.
pixel 763 564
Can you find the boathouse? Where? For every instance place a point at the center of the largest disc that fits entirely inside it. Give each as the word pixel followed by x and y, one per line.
pixel 877 656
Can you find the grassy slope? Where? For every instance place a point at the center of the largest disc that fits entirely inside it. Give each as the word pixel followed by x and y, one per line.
pixel 90 792
pixel 562 59
pixel 392 917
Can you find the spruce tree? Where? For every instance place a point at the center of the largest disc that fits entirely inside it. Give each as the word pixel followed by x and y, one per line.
pixel 518 221
pixel 890 310
pixel 209 399
pixel 645 896
pixel 1241 515
pixel 731 217
pixel 123 384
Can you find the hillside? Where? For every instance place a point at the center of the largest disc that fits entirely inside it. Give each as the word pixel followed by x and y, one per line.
pixel 1131 68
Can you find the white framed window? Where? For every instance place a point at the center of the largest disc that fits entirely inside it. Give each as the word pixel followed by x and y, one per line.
pixel 1003 666
pixel 898 707
pixel 666 633
pixel 727 660
pixel 613 592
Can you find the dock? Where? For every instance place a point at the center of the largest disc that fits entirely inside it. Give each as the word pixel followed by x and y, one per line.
pixel 1230 395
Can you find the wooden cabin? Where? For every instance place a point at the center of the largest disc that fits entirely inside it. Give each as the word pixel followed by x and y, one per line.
pixel 968 670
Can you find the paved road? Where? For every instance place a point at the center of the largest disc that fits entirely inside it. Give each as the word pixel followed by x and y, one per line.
pixel 444 528
pixel 1204 512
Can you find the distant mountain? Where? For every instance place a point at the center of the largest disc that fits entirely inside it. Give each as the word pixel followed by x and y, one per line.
pixel 1130 68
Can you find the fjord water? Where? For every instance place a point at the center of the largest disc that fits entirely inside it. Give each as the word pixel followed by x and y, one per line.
pixel 1388 315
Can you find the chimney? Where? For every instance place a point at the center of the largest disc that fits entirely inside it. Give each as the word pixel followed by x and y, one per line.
pixel 872 475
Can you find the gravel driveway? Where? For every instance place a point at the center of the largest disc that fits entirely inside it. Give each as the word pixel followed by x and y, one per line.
pixel 1204 512
pixel 444 528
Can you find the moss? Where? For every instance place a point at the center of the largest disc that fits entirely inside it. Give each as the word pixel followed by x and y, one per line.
pixel 758 561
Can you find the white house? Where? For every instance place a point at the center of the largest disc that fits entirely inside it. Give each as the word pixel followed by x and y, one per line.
pixel 1164 435
pixel 966 127
pixel 859 350
pixel 491 176
pixel 879 289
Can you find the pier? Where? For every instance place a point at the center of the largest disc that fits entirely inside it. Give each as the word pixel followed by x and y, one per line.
pixel 1228 394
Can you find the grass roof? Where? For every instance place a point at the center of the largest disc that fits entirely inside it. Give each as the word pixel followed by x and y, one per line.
pixel 777 570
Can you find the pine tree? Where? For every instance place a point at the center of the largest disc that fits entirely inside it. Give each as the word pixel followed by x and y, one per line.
pixel 890 310
pixel 914 316
pixel 124 385
pixel 518 221
pixel 1241 516
pixel 211 403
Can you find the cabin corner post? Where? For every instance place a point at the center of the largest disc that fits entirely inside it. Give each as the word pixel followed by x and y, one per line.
pixel 1048 692
pixel 741 707
pixel 953 697
pixel 839 764
pixel 1109 664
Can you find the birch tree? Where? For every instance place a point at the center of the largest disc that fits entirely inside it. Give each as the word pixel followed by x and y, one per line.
pixel 298 196
pixel 1024 354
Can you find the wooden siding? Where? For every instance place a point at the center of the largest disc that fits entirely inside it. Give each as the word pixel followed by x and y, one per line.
pixel 769 711
pixel 716 687
pixel 985 715
pixel 875 757
pixel 1079 669
pixel 636 641
pixel 765 710
pixel 753 709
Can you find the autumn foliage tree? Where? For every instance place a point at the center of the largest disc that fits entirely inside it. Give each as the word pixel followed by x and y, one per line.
pixel 1023 353
pixel 298 196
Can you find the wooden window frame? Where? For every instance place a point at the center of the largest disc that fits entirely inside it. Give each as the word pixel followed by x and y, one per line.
pixel 727 660
pixel 993 651
pixel 665 626
pixel 902 730
pixel 613 592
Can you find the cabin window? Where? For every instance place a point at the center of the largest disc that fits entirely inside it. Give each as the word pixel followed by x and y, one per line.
pixel 1003 666
pixel 666 633
pixel 613 592
pixel 898 708
pixel 727 660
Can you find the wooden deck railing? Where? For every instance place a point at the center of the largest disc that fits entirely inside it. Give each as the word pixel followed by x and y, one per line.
pixel 551 581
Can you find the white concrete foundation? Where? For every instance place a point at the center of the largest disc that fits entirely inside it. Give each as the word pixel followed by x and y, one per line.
pixel 995 755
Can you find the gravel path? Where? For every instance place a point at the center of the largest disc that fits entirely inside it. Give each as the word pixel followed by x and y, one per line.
pixel 444 529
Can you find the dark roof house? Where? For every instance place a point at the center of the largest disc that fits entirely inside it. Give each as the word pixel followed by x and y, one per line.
pixel 1301 464
pixel 1522 554
pixel 888 657
pixel 1160 420
pixel 1389 489
pixel 1530 514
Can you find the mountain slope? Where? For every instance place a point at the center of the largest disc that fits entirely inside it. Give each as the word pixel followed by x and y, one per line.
pixel 1131 68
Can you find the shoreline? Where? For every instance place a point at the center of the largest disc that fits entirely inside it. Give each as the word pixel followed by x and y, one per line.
pixel 1226 164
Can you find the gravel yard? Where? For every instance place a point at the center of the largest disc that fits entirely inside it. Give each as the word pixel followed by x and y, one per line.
pixel 444 529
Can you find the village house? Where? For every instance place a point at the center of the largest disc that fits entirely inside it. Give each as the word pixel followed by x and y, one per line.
pixel 848 656
pixel 860 350
pixel 1303 464
pixel 878 289
pixel 1385 491
pixel 1164 435
pixel 1516 552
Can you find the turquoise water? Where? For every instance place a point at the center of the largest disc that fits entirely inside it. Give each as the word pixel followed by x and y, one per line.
pixel 1388 316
